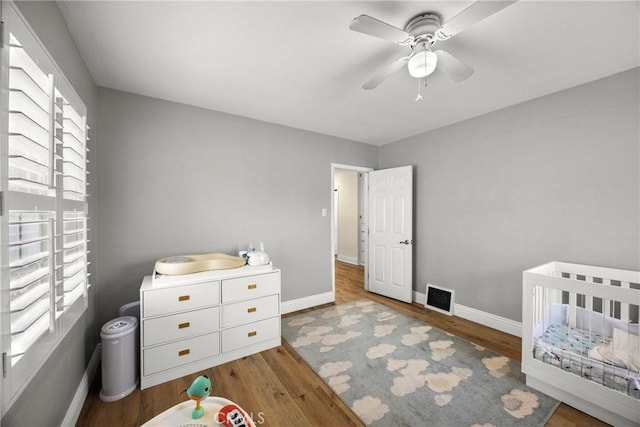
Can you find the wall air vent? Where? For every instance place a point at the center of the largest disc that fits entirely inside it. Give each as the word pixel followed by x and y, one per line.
pixel 439 299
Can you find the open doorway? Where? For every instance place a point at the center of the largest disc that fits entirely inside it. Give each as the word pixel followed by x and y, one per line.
pixel 349 224
pixel 347 212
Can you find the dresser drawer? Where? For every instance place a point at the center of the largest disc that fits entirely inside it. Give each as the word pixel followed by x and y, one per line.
pixel 245 335
pixel 179 353
pixel 250 287
pixel 180 298
pixel 251 310
pixel 181 325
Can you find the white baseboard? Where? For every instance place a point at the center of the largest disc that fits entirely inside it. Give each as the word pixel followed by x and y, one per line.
pixel 306 302
pixel 73 412
pixel 487 319
pixel 348 259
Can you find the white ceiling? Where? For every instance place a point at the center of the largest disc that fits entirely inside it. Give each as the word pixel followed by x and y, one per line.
pixel 297 63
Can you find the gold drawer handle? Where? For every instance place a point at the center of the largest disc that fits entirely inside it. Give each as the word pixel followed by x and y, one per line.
pixel 251 310
pixel 252 286
pixel 184 325
pixel 252 334
pixel 184 297
pixel 184 352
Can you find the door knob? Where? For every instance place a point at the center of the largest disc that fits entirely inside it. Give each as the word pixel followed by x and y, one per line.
pixel 407 242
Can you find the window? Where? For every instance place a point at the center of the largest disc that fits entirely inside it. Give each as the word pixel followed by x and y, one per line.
pixel 43 227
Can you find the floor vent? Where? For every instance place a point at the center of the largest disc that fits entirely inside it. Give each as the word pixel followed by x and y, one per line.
pixel 439 299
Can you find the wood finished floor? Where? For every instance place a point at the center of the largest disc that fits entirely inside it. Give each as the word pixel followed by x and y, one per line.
pixel 280 389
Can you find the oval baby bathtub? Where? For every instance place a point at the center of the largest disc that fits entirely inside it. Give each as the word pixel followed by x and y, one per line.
pixel 186 264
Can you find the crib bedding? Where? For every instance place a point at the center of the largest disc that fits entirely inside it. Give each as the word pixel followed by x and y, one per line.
pixel 568 348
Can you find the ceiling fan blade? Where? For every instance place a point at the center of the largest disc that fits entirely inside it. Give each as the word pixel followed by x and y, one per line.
pixel 376 28
pixel 452 66
pixel 473 14
pixel 382 75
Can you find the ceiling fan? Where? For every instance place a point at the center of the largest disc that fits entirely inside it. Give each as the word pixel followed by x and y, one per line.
pixel 420 34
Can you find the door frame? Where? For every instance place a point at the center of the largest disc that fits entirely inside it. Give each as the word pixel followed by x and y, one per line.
pixel 364 192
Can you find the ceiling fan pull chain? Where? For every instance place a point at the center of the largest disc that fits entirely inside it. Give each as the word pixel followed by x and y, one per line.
pixel 419 97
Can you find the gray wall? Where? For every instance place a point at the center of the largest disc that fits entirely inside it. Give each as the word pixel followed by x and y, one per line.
pixel 555 178
pixel 47 398
pixel 176 179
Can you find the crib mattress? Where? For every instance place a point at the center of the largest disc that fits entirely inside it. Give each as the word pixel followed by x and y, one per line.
pixel 568 348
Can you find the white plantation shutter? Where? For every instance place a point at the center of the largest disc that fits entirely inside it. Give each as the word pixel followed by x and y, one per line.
pixel 29 279
pixel 29 123
pixel 30 231
pixel 74 153
pixel 44 220
pixel 74 257
pixel 72 224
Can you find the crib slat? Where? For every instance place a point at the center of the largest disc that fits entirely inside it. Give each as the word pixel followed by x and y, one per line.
pixel 606 307
pixel 573 303
pixel 624 307
pixel 554 295
pixel 607 303
pixel 538 307
pixel 588 299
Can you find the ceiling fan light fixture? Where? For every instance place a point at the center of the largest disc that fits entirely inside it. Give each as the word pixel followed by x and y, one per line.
pixel 422 63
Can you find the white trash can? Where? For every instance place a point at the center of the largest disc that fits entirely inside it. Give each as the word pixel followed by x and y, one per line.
pixel 119 367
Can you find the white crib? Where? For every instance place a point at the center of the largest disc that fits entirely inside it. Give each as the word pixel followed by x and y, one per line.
pixel 580 338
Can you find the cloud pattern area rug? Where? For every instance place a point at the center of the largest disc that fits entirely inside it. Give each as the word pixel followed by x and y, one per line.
pixel 394 370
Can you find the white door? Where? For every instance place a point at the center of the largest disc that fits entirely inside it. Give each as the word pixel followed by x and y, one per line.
pixel 390 266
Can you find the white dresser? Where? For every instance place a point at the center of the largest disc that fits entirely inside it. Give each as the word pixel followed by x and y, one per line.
pixel 195 321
